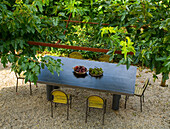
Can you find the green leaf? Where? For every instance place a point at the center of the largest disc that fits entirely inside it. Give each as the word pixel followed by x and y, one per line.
pixel 42 65
pixel 40 5
pixel 122 61
pixel 31 65
pixel 128 63
pixel 166 39
pixel 167 64
pixel 24 66
pixel 61 36
pixel 11 58
pixel 91 1
pixel 55 21
pixel 4 61
pixel 149 15
pixel 123 17
pixel 7 3
pixel 27 76
pixel 61 14
pixel 161 58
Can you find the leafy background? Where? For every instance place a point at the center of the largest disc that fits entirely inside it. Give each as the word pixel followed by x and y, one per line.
pixel 138 26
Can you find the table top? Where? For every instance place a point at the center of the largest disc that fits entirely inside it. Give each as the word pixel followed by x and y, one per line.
pixel 115 79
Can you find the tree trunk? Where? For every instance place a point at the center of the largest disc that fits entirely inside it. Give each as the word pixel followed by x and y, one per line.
pixel 163 82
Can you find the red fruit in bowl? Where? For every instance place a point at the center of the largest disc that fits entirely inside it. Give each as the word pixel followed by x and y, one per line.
pixel 80 69
pixel 76 67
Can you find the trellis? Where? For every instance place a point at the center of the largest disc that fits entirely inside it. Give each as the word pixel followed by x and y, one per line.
pixel 57 45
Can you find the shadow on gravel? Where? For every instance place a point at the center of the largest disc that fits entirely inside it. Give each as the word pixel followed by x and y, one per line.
pixel 22 110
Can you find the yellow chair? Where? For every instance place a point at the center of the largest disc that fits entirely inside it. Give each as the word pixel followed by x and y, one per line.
pixel 95 101
pixel 140 93
pixel 105 58
pixel 76 55
pixel 60 97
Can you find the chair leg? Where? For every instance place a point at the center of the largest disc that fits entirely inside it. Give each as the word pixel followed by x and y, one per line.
pixel 17 85
pixel 86 111
pixel 30 89
pixel 22 81
pixel 70 101
pixel 105 106
pixel 141 103
pixel 126 101
pixel 55 105
pixel 89 109
pixel 51 109
pixel 104 110
pixel 103 116
pixel 67 111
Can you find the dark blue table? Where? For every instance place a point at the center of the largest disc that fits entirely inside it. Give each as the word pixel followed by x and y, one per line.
pixel 116 79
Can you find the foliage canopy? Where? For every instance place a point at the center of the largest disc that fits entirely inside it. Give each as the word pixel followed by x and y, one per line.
pixel 139 26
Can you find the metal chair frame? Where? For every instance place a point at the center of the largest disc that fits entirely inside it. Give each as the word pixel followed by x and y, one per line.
pixel 141 96
pixel 88 108
pixel 18 77
pixel 69 102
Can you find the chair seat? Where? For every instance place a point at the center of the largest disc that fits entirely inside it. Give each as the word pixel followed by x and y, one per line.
pixel 138 91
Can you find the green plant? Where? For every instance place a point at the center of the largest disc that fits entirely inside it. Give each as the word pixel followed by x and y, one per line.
pixel 19 24
pixel 141 26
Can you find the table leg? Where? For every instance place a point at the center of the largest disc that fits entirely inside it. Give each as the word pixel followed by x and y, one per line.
pixel 115 102
pixel 49 88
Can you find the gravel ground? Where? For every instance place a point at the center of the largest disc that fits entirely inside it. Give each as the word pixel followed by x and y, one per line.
pixel 23 111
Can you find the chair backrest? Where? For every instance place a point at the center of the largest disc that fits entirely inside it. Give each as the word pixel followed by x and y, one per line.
pixel 145 85
pixel 76 55
pixel 59 97
pixel 19 75
pixel 17 71
pixel 105 58
pixel 95 101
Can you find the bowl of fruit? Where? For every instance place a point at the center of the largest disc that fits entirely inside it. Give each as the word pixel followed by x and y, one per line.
pixel 96 72
pixel 80 70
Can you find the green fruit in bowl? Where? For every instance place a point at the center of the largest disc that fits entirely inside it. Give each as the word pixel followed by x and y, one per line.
pixel 90 69
pixel 100 72
pixel 93 72
pixel 96 71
